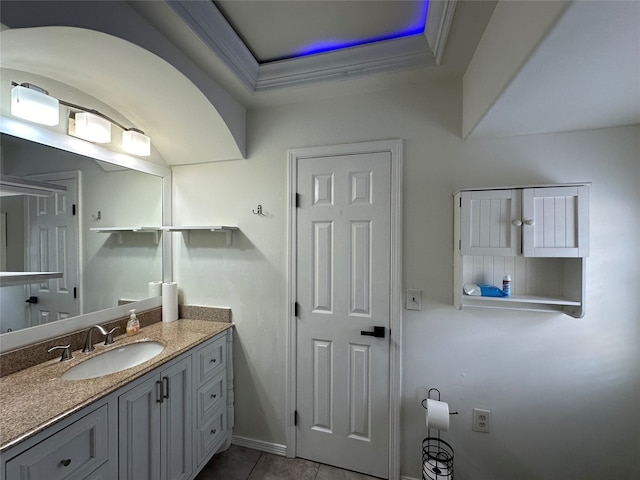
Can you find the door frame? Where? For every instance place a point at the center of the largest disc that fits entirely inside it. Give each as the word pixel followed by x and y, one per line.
pixel 394 148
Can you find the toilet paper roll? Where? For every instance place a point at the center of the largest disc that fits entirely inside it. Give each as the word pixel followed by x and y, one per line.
pixel 437 415
pixel 155 289
pixel 169 301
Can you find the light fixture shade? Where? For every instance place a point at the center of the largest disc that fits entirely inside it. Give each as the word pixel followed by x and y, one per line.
pixel 34 106
pixel 92 128
pixel 136 143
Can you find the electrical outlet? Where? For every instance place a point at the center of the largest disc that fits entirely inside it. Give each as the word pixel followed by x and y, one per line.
pixel 414 299
pixel 481 420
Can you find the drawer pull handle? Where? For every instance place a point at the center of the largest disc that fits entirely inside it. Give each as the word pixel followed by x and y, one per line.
pixel 213 395
pixel 66 462
pixel 213 360
pixel 213 431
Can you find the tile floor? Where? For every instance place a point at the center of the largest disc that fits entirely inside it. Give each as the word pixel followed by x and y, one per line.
pixel 239 463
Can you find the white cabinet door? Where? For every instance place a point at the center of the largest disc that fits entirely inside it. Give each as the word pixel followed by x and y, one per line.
pixel 489 222
pixel 555 222
pixel 534 222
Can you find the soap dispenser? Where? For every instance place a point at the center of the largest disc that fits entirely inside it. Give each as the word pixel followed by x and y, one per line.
pixel 133 325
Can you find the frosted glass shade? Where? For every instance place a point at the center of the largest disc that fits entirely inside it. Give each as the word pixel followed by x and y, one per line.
pixel 136 143
pixel 34 106
pixel 92 128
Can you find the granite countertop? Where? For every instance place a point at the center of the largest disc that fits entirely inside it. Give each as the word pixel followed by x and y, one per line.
pixel 37 397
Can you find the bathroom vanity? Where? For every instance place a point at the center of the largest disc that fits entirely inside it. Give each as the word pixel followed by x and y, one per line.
pixel 163 419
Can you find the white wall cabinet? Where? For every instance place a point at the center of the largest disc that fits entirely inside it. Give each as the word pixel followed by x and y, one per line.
pixel 538 235
pixel 165 425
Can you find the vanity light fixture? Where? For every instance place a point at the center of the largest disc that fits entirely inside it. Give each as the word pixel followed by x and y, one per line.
pixel 92 127
pixel 136 142
pixel 33 103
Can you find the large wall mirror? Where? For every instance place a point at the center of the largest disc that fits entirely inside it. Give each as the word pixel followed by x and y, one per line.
pixel 58 232
pixel 103 272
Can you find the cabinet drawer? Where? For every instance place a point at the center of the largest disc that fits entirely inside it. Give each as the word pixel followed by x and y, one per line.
pixel 71 453
pixel 210 360
pixel 211 397
pixel 211 435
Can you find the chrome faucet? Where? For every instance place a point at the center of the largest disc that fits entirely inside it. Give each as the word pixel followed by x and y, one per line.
pixel 108 340
pixel 88 343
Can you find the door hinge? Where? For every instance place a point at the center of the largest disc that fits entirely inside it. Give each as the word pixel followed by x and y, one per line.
pixel 460 202
pixel 295 418
pixel 73 209
pixel 297 200
pixel 75 292
pixel 296 309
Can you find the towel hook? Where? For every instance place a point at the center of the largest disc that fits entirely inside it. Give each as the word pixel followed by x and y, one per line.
pixel 259 212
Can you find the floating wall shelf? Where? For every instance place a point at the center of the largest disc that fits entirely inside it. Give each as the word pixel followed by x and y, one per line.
pixel 24 278
pixel 212 228
pixel 120 230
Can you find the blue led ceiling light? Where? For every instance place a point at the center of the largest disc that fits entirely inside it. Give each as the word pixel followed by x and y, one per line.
pixel 416 27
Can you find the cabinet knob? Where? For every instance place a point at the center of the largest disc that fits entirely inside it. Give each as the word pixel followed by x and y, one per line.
pixel 529 222
pixel 213 395
pixel 66 462
pixel 517 223
pixel 213 360
pixel 213 431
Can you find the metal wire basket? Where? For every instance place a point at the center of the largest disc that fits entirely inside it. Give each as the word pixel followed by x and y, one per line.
pixel 437 459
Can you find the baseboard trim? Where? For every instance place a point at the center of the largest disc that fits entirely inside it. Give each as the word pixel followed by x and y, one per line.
pixel 267 447
pixel 407 478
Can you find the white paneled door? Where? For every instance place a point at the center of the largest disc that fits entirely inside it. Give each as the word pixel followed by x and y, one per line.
pixel 53 246
pixel 343 310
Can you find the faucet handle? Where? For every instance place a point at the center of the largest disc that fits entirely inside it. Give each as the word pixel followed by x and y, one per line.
pixel 66 352
pixel 109 339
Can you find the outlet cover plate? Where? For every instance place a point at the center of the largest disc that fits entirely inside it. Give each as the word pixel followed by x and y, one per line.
pixel 481 420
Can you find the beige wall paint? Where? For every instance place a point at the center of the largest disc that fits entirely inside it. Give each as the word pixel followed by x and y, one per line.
pixel 563 392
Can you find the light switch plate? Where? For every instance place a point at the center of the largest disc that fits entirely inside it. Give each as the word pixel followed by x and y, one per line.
pixel 414 299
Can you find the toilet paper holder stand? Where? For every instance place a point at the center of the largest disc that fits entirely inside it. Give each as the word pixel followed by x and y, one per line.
pixel 437 455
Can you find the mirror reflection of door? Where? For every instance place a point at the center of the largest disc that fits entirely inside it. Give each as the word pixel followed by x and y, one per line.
pixel 53 246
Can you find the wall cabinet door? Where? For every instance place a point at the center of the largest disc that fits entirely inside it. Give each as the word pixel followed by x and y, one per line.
pixel 489 222
pixel 155 426
pixel 534 222
pixel 555 222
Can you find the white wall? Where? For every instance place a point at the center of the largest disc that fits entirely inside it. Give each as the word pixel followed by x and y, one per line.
pixel 563 392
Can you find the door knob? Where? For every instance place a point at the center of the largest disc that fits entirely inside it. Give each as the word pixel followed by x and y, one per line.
pixel 378 332
pixel 32 300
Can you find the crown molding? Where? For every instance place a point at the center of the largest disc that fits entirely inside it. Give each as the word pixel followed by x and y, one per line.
pixel 422 50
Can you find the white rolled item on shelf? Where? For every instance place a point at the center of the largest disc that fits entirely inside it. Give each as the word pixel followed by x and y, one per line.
pixel 169 301
pixel 437 415
pixel 155 289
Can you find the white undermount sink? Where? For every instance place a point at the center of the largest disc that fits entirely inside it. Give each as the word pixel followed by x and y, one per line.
pixel 114 360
